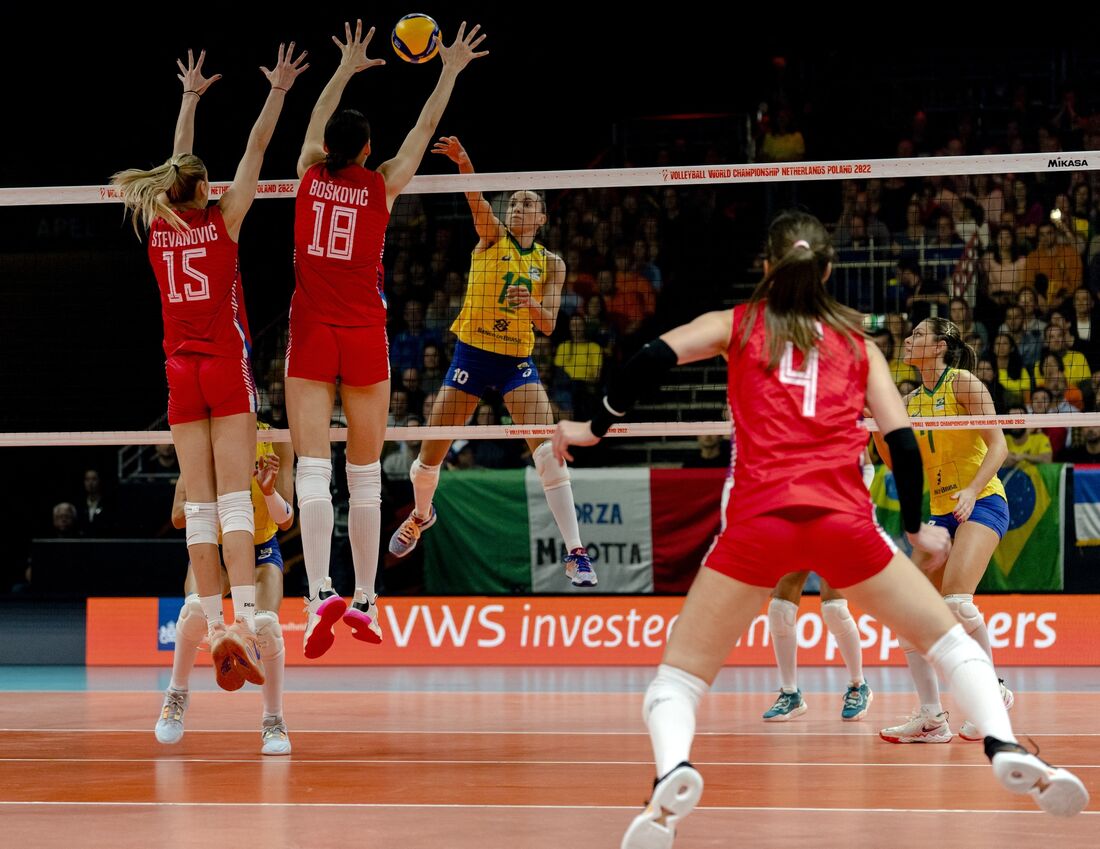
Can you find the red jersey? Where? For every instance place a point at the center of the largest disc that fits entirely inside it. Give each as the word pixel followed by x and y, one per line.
pixel 200 294
pixel 796 437
pixel 339 232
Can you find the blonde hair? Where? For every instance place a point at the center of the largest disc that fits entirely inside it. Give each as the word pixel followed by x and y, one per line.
pixel 793 295
pixel 150 194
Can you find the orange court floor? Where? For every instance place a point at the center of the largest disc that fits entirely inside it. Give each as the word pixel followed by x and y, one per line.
pixel 528 758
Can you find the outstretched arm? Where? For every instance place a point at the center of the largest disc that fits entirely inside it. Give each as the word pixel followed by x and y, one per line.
pixel 398 171
pixel 707 336
pixel 353 59
pixel 194 86
pixel 488 226
pixel 239 196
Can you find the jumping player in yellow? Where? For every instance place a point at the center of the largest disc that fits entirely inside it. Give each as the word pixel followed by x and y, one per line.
pixel 967 498
pixel 514 288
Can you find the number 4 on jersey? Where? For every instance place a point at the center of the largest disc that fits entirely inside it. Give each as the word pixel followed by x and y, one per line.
pixel 807 378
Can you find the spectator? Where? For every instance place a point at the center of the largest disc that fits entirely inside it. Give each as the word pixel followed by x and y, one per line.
pixel 1016 380
pixel 407 347
pixel 1075 366
pixel 986 372
pixel 714 453
pixel 1003 268
pixel 1026 445
pixel 1042 402
pixel 163 462
pixel 396 464
pixel 964 319
pixel 65 521
pixel 431 375
pixel 1088 451
pixel 922 299
pixel 93 520
pixel 1055 262
pixel 1029 343
pixel 410 382
pixel 1083 321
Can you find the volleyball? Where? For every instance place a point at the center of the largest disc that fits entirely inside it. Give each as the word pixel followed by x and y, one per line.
pixel 416 38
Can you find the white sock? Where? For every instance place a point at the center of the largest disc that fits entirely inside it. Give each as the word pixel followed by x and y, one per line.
pixel 969 672
pixel 924 679
pixel 425 480
pixel 782 616
pixel 669 712
pixel 839 621
pixel 560 500
pixel 274 667
pixel 244 603
pixel 365 521
pixel 312 482
pixel 212 607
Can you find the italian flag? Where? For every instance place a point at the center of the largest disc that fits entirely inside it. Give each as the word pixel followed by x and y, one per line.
pixel 646 530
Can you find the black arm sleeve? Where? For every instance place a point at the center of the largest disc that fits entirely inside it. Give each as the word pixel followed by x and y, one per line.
pixel 639 373
pixel 908 476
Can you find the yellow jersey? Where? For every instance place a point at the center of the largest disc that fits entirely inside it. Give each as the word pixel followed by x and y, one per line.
pixel 265 525
pixel 487 320
pixel 951 457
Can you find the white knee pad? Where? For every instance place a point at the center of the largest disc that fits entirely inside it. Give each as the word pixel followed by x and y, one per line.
pixel 420 472
pixel 202 522
pixel 269 634
pixel 191 622
pixel 365 484
pixel 782 616
pixel 236 512
pixel 838 619
pixel 966 612
pixel 312 480
pixel 673 685
pixel 550 472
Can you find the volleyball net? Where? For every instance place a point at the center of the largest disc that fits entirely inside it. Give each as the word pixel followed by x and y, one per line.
pixel 1004 246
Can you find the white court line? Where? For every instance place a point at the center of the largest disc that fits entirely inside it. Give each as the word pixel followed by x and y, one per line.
pixel 453 731
pixel 488 762
pixel 415 805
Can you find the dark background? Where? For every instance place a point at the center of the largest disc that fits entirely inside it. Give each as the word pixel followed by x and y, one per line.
pixel 92 92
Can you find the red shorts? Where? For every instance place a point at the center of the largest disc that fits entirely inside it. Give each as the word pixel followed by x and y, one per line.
pixel 842 548
pixel 203 387
pixel 358 356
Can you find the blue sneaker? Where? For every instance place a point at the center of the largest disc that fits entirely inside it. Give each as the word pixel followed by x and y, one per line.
pixel 787 706
pixel 578 568
pixel 856 701
pixel 406 537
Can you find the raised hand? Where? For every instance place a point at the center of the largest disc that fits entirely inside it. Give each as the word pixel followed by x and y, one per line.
pixel 191 76
pixel 463 50
pixel 452 148
pixel 353 50
pixel 286 68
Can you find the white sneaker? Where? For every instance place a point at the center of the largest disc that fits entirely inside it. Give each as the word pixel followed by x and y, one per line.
pixel 362 618
pixel 921 727
pixel 169 728
pixel 275 738
pixel 1057 791
pixel 674 797
pixel 969 730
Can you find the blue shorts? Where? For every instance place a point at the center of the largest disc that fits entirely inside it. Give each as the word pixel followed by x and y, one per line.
pixel 269 554
pixel 991 511
pixel 473 371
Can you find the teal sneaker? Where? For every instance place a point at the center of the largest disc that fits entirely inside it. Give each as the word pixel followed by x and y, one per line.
pixel 856 701
pixel 787 706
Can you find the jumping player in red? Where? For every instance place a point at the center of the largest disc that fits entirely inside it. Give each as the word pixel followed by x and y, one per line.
pixel 338 325
pixel 211 395
pixel 800 372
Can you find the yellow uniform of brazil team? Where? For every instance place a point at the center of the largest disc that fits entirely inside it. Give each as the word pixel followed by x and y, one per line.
pixel 487 321
pixel 951 457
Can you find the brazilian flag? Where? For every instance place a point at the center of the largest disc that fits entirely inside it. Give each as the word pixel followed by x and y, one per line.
pixel 1030 556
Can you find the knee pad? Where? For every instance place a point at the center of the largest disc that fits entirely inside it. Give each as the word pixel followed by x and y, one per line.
pixel 312 480
pixel 236 512
pixel 269 634
pixel 191 622
pixel 551 474
pixel 675 685
pixel 365 484
pixel 965 611
pixel 838 619
pixel 782 616
pixel 420 472
pixel 202 522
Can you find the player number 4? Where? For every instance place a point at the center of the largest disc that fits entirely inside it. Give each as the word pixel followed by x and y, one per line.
pixel 807 378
